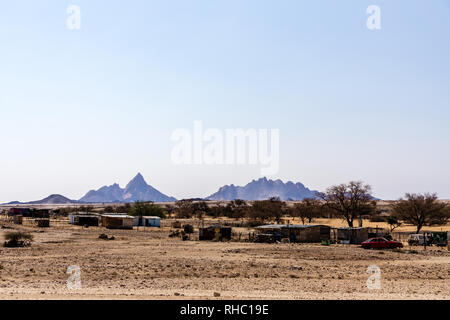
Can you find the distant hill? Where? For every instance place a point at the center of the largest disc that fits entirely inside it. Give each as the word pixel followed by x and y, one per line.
pixel 12 202
pixel 52 199
pixel 263 189
pixel 136 190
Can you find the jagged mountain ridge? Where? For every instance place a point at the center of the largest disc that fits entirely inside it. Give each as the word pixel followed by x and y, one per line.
pixel 136 190
pixel 263 189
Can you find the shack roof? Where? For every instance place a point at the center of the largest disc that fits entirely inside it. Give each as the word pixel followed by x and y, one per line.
pixel 151 217
pixel 84 214
pixel 122 216
pixel 292 226
pixel 215 226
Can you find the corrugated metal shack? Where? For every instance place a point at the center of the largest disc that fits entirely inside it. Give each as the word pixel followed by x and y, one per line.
pixel 18 219
pixel 448 240
pixel 41 213
pixel 24 212
pixel 42 223
pixel 147 221
pixel 29 213
pixel 217 233
pixel 81 219
pixel 293 232
pixel 352 235
pixel 117 221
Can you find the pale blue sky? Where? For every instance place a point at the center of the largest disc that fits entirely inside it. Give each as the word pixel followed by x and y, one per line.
pixel 85 108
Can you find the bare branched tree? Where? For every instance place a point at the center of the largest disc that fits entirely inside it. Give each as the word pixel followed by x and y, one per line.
pixel 307 210
pixel 350 201
pixel 421 210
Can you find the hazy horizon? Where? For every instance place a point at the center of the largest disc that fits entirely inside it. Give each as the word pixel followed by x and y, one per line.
pixel 92 107
pixel 199 196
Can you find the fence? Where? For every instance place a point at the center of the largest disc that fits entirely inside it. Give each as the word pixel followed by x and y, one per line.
pixel 54 222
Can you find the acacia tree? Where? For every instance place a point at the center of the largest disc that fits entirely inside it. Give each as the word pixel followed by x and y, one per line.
pixel 421 210
pixel 200 209
pixel 267 210
pixel 237 209
pixel 393 223
pixel 141 209
pixel 308 209
pixel 188 208
pixel 350 201
pixel 169 209
pixel 184 208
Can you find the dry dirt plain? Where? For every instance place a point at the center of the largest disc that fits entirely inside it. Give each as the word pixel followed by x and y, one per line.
pixel 149 265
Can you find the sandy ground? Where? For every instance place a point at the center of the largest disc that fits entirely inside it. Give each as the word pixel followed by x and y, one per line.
pixel 149 265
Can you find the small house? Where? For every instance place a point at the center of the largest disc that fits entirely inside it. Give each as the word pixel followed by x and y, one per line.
pixel 296 232
pixel 30 213
pixel 80 219
pixel 117 221
pixel 18 219
pixel 147 221
pixel 217 233
pixel 350 235
pixel 41 213
pixel 24 212
pixel 42 223
pixel 448 240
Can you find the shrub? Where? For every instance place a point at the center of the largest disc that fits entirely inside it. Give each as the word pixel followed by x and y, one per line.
pixel 18 239
pixel 377 218
pixel 141 209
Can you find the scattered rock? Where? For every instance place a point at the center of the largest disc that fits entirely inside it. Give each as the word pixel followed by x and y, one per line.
pixel 216 294
pixel 105 237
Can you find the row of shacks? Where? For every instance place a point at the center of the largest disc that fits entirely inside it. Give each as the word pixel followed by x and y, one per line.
pixel 29 213
pixel 111 221
pixel 315 233
pixel 41 217
pixel 114 221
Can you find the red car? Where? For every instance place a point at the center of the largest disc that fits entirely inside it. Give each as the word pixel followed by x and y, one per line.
pixel 381 243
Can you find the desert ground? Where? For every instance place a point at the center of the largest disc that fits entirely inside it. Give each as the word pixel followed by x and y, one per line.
pixel 147 264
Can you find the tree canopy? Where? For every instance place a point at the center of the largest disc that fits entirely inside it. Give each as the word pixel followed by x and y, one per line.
pixel 421 210
pixel 350 201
